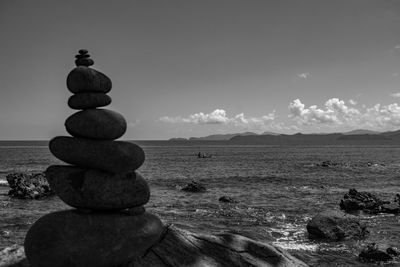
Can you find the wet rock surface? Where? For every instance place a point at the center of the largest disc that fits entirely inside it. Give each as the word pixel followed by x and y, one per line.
pixel 375 253
pixel 28 185
pixel 335 226
pixel 367 202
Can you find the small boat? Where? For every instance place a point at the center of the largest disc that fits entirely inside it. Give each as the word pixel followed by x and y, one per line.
pixel 201 155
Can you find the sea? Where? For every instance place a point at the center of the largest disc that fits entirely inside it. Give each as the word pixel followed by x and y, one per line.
pixel 278 189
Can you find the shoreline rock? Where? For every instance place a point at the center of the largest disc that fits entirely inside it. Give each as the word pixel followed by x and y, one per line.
pixel 367 202
pixel 335 226
pixel 179 247
pixel 28 185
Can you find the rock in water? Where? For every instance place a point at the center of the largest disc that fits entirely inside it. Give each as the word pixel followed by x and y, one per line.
pixel 70 238
pixel 354 200
pixel 111 156
pixel 98 190
pixel 335 226
pixel 194 187
pixel 372 253
pixel 28 185
pixel 88 100
pixel 86 80
pixel 96 124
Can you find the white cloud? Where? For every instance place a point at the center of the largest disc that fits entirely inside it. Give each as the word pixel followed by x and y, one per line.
pixel 219 116
pixel 395 94
pixel 336 113
pixel 352 102
pixel 397 47
pixel 304 75
pixel 395 74
pixel 134 123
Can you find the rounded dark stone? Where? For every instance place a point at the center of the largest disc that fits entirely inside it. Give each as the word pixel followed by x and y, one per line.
pixel 111 156
pixel 96 124
pixel 82 56
pixel 97 190
pixel 83 79
pixel 83 51
pixel 71 238
pixel 84 62
pixel 88 100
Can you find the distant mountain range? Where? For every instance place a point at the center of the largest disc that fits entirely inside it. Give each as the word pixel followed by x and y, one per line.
pixel 354 137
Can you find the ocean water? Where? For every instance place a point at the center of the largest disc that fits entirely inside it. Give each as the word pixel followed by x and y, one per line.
pixel 278 190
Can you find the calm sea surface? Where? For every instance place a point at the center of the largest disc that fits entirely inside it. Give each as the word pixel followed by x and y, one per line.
pixel 278 190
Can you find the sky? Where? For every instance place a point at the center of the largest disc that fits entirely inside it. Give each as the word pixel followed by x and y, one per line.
pixel 198 67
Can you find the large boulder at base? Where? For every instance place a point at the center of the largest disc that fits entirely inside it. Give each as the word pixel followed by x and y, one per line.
pixel 365 201
pixel 334 226
pixel 111 156
pixel 194 187
pixel 96 124
pixel 99 190
pixel 88 100
pixel 86 80
pixel 183 248
pixel 70 238
pixel 28 185
pixel 374 253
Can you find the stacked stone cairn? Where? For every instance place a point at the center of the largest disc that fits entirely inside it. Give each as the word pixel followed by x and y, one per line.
pixel 109 225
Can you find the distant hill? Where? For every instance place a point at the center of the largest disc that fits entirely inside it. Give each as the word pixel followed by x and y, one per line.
pixel 220 137
pixel 361 131
pixel 355 137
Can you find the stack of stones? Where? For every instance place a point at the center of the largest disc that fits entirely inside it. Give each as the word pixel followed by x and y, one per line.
pixel 109 226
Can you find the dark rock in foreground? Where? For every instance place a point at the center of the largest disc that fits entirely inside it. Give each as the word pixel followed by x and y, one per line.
pixel 72 238
pixel 335 226
pixel 194 187
pixel 182 248
pixel 97 190
pixel 373 253
pixel 367 202
pixel 28 185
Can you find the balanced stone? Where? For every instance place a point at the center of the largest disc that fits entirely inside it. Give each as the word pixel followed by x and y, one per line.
pixel 84 62
pixel 111 156
pixel 96 124
pixel 88 100
pixel 82 56
pixel 97 190
pixel 83 79
pixel 71 238
pixel 83 51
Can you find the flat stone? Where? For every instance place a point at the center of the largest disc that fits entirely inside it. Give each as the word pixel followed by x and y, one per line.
pixel 96 124
pixel 88 100
pixel 82 56
pixel 83 51
pixel 84 62
pixel 111 156
pixel 97 190
pixel 83 79
pixel 70 238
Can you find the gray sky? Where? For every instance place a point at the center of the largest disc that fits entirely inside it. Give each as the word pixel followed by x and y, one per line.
pixel 193 68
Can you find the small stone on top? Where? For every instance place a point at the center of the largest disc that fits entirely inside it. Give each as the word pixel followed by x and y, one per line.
pixel 83 51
